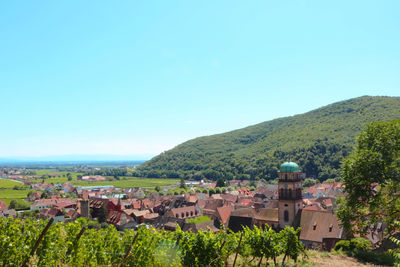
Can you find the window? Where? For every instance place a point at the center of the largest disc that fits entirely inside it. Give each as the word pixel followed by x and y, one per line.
pixel 286 216
pixel 191 213
pixel 183 214
pixel 187 214
pixel 286 205
pixel 315 226
pixel 290 192
pixel 330 228
pixel 177 215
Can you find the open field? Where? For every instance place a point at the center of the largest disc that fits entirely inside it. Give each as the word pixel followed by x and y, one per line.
pixel 127 182
pixel 19 195
pixel 7 184
pixel 7 193
pixel 20 201
pixel 13 194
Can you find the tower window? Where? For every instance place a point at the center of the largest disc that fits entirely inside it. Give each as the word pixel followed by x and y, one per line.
pixel 286 205
pixel 315 226
pixel 286 216
pixel 330 228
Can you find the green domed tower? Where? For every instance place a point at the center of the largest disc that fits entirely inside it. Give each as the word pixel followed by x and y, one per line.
pixel 290 193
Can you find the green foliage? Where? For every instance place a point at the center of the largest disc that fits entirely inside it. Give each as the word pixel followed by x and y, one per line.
pixel 8 184
pixel 199 219
pixel 220 182
pixel 105 246
pixel 360 248
pixel 310 182
pixel 18 204
pixel 372 179
pixel 264 243
pixel 396 252
pixel 182 184
pixel 318 140
pixel 290 242
pixel 357 243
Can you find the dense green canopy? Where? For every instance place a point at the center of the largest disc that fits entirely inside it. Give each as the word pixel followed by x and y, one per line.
pixel 318 141
pixel 371 176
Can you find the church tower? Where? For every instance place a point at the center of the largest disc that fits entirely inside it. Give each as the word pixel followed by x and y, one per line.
pixel 290 193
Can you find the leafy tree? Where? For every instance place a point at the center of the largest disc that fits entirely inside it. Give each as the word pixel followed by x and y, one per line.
pixel 263 243
pixel 309 182
pixel 291 245
pixel 211 191
pixel 45 194
pixel 396 251
pixel 182 183
pixel 13 204
pixel 372 179
pixel 157 188
pixel 220 182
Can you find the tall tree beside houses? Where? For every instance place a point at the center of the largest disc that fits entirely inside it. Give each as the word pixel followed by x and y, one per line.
pixel 371 176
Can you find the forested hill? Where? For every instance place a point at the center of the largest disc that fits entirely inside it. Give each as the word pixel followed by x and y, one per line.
pixel 317 140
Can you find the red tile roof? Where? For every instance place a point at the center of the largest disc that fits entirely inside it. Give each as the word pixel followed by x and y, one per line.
pixel 224 213
pixel 3 205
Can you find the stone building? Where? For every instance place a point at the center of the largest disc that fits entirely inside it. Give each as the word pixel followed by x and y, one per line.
pixel 290 193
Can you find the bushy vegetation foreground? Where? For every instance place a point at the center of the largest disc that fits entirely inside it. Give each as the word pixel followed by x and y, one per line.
pixel 81 243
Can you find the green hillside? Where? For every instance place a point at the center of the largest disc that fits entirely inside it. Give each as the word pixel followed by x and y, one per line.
pixel 317 140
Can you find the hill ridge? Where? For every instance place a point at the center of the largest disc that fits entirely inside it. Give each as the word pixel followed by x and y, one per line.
pixel 318 140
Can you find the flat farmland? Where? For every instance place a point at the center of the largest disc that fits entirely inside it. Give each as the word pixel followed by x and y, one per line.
pixel 61 176
pixel 10 193
pixel 127 182
pixel 7 184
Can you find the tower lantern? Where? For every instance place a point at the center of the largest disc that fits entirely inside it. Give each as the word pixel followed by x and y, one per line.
pixel 290 193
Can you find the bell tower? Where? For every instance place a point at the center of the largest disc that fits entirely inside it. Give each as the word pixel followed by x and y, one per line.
pixel 290 193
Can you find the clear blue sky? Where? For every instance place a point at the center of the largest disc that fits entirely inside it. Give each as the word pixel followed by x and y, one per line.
pixel 139 77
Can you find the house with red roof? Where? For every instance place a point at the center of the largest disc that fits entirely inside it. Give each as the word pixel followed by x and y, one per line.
pixel 3 205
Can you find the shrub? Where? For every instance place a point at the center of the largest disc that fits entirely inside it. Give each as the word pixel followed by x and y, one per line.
pixel 343 245
pixel 360 248
pixel 359 243
pixel 354 244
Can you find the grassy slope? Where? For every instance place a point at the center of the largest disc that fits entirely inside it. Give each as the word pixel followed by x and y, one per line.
pixel 315 259
pixel 274 141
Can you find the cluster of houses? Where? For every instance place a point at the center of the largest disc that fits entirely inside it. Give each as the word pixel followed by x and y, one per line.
pixel 284 204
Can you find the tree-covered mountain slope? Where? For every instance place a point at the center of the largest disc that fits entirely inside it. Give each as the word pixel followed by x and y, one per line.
pixel 318 140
